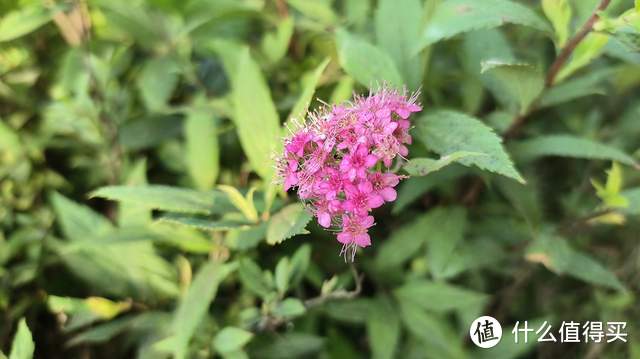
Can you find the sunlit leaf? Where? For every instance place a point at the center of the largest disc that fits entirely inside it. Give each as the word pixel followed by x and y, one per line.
pixel 555 253
pixel 195 303
pixel 570 146
pixel 453 17
pixel 202 150
pixel 287 223
pixel 425 166
pixel 255 115
pixel 397 25
pixel 22 346
pixel 448 132
pixel 516 84
pixel 20 22
pixel 309 84
pixel 167 198
pixel 383 329
pixel 366 63
pixel 559 13
pixel 230 339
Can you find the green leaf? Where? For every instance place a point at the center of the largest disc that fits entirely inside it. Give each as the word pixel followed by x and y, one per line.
pixel 357 12
pixel 290 308
pixel 132 214
pixel 149 131
pixel 413 188
pixel 485 45
pixel 208 224
pixel 515 84
pixel 610 192
pixel 123 268
pixel 290 221
pixel 299 264
pixel 555 253
pixel 318 10
pixel 147 27
pixel 433 332
pixel 157 81
pixel 103 332
pixel 309 84
pixel 82 312
pixel 447 132
pixel 559 13
pixel 243 204
pixel 343 90
pixel 275 44
pixel 167 198
pixel 22 346
pixel 246 238
pixel 403 244
pixel 442 297
pixel 586 51
pixel 569 146
pixel 230 339
pixel 17 23
pixel 290 345
pixel 383 329
pixel 586 85
pixel 366 63
pixel 202 150
pixel 453 17
pixel 193 307
pixel 282 275
pixel 397 25
pixel 425 166
pixel 10 147
pixel 633 197
pixel 355 311
pixel 451 223
pixel 252 277
pixel 255 115
pixel 78 222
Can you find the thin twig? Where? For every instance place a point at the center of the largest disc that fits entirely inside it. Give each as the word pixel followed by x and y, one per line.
pixel 520 120
pixel 573 43
pixel 338 294
pixel 281 6
pixel 580 223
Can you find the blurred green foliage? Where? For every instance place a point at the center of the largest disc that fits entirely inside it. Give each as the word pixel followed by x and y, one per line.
pixel 138 214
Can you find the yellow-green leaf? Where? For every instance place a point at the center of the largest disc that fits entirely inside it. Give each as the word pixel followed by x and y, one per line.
pixel 255 115
pixel 202 152
pixel 285 224
pixel 559 13
pixel 590 48
pixel 22 346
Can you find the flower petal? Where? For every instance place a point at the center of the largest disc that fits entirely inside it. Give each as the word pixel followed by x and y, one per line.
pixel 389 194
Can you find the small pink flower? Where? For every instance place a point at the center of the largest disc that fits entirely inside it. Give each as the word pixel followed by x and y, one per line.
pixel 355 165
pixel 354 230
pixel 330 183
pixel 332 161
pixel 361 198
pixel 325 210
pixel 297 143
pixel 291 177
pixel 384 183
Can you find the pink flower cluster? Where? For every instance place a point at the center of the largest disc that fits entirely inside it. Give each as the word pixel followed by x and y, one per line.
pixel 340 161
